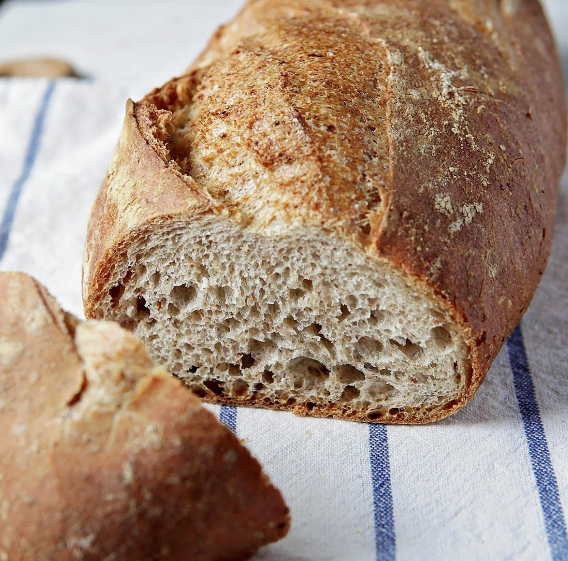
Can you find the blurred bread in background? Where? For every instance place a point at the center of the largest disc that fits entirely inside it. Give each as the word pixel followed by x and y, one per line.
pixel 38 67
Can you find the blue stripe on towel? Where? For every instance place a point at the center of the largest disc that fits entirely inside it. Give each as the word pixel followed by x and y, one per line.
pixel 385 544
pixel 228 416
pixel 31 156
pixel 547 486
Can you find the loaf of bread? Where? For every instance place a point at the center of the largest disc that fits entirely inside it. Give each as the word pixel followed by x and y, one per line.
pixel 343 208
pixel 106 456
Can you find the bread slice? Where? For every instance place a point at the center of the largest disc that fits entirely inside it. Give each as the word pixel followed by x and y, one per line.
pixel 106 456
pixel 343 209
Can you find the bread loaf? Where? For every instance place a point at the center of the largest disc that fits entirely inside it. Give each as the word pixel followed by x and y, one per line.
pixel 106 456
pixel 343 208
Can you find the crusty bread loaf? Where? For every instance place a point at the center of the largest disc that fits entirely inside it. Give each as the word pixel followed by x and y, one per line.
pixel 343 209
pixel 106 456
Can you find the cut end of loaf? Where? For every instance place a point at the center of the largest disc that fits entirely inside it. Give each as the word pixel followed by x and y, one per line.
pixel 302 321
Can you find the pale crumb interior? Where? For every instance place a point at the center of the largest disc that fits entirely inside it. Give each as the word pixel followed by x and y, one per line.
pixel 304 320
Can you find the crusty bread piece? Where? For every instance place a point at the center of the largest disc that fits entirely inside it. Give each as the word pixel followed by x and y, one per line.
pixel 45 67
pixel 343 209
pixel 106 456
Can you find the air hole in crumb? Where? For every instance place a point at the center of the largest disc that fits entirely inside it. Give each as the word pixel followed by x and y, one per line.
pixel 177 354
pixel 234 370
pixel 259 387
pixel 291 401
pixel 307 284
pixel 352 302
pixel 296 293
pixel 371 367
pixel 259 348
pixel 196 316
pixel 247 361
pixel 316 327
pixel 232 323
pixel 326 343
pixel 349 394
pixel 376 316
pixel 307 372
pixel 214 386
pixel 344 313
pixel 126 322
pixel 268 377
pixel 115 294
pixel 291 322
pixel 310 405
pixel 380 391
pixel 222 293
pixel 394 411
pixel 349 374
pixel 410 349
pixel 183 295
pixel 192 369
pixel 141 307
pixel 240 387
pixel 375 414
pixel 441 337
pixel 368 347
pixel 155 278
pixel 173 310
pixel 253 311
pixel 273 309
pixel 457 373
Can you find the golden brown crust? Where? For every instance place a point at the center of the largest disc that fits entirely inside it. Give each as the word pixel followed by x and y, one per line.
pixel 139 188
pixel 431 133
pixel 417 416
pixel 105 456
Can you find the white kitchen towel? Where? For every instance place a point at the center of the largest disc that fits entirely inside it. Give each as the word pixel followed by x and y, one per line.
pixel 489 483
